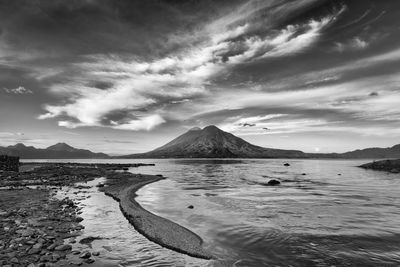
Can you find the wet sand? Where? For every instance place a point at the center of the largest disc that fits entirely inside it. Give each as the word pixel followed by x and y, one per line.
pixel 122 187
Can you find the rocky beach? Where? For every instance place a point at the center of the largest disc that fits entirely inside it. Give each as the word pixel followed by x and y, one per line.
pixel 38 227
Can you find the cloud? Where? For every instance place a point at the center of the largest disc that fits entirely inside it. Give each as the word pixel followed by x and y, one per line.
pixel 145 123
pixel 148 88
pixel 20 90
pixel 5 134
pixel 354 44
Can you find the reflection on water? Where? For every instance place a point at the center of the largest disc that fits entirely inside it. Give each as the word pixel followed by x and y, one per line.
pixel 325 213
pixel 119 243
pixel 317 219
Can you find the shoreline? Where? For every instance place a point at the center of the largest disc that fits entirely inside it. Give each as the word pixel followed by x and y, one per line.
pixel 122 187
pixel 38 228
pixel 49 178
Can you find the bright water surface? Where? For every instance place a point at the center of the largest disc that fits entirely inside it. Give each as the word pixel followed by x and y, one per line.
pixel 317 219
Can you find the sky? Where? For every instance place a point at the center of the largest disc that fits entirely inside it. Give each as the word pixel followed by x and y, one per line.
pixel 127 76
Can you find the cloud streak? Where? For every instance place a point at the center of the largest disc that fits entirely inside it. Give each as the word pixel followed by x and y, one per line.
pixel 144 88
pixel 20 90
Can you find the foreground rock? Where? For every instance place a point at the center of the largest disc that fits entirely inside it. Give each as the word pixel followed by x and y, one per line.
pixel 122 187
pixel 37 229
pixel 392 166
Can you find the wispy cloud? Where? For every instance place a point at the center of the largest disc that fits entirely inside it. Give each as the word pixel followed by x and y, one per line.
pixel 145 89
pixel 20 90
pixel 354 44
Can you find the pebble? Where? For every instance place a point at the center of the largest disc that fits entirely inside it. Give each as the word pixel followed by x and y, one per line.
pixel 85 255
pixel 33 251
pixel 89 261
pixel 63 247
pixel 52 247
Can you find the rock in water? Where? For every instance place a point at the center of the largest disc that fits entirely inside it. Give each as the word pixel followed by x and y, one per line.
pixel 273 182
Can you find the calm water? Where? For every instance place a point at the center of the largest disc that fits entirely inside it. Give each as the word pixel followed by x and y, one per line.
pixel 318 219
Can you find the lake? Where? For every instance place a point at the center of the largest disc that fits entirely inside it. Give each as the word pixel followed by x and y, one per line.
pixel 324 213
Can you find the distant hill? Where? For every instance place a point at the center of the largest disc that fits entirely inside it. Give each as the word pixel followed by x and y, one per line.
pixel 57 151
pixel 368 153
pixel 211 142
pixel 390 152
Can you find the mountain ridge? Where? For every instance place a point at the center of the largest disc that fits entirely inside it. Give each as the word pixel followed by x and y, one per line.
pixel 57 151
pixel 209 142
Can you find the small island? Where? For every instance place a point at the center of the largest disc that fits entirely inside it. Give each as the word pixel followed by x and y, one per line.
pixel 392 166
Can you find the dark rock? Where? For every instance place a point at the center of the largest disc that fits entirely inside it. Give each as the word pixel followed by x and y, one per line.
pixel 63 247
pixel 273 182
pixel 96 253
pixel 190 207
pixel 286 164
pixel 303 174
pixel 89 239
pixel 52 247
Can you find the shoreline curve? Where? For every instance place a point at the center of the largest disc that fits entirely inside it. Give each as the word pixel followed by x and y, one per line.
pixel 123 187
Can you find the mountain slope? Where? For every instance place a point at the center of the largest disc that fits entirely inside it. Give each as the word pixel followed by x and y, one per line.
pixel 57 151
pixel 62 147
pixel 212 142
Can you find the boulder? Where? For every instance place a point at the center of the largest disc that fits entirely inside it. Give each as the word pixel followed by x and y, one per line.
pixel 273 182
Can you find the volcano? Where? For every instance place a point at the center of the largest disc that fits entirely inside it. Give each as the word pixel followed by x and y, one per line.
pixel 212 142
